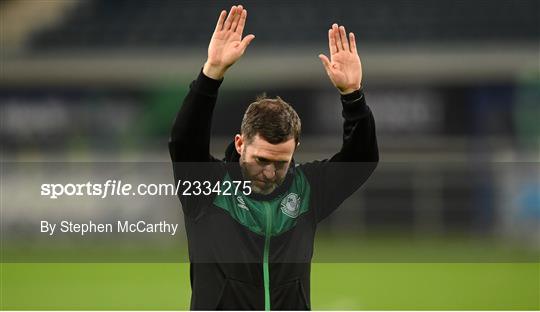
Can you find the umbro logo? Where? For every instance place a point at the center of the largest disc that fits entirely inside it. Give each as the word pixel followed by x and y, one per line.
pixel 241 203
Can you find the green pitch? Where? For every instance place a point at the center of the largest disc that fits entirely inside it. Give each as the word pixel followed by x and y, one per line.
pixel 393 286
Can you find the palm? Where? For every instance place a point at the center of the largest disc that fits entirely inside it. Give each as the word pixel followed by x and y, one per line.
pixel 225 48
pixel 227 45
pixel 344 67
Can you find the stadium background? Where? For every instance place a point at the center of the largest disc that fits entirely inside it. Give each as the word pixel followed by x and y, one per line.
pixel 450 219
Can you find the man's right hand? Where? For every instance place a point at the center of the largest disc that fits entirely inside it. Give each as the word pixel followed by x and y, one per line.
pixel 227 45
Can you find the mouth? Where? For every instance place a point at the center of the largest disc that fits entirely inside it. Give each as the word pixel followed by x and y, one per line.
pixel 261 182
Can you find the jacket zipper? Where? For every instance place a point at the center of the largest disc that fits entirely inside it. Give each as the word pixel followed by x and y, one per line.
pixel 266 269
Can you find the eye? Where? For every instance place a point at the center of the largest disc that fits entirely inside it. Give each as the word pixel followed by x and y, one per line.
pixel 278 165
pixel 262 161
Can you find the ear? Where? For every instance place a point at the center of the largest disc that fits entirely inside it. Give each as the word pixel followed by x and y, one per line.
pixel 238 143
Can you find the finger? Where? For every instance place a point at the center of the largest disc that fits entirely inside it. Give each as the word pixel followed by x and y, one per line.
pixel 230 18
pixel 242 23
pixel 236 17
pixel 337 38
pixel 331 42
pixel 353 43
pixel 344 40
pixel 246 41
pixel 221 19
pixel 326 62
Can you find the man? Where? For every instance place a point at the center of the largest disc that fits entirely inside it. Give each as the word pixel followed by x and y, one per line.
pixel 252 250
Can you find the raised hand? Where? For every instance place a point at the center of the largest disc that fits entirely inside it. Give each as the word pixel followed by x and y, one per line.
pixel 343 68
pixel 227 45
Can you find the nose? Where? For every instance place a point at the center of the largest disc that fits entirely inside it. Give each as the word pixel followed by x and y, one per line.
pixel 269 172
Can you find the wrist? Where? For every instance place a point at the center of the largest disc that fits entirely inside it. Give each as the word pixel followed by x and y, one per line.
pixel 214 71
pixel 346 91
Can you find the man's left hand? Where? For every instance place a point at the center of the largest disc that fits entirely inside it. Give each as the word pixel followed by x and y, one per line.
pixel 343 68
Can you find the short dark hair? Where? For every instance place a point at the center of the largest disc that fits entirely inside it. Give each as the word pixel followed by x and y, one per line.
pixel 271 118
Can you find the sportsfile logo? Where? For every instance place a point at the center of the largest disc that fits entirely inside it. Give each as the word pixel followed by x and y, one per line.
pixel 119 188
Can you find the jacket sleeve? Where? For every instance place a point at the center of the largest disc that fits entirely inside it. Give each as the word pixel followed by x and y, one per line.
pixel 189 141
pixel 335 179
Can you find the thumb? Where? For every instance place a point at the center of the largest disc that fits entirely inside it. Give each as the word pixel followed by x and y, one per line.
pixel 325 61
pixel 246 41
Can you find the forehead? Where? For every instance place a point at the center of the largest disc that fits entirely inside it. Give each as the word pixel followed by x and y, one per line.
pixel 279 152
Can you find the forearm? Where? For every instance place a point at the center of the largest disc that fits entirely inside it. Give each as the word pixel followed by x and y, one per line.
pixel 359 137
pixel 335 180
pixel 190 133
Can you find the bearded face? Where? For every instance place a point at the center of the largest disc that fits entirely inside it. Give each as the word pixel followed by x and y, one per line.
pixel 263 163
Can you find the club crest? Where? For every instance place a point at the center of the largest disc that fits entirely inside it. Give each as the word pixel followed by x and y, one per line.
pixel 290 205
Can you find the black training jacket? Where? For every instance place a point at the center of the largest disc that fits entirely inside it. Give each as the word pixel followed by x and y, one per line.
pixel 253 251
